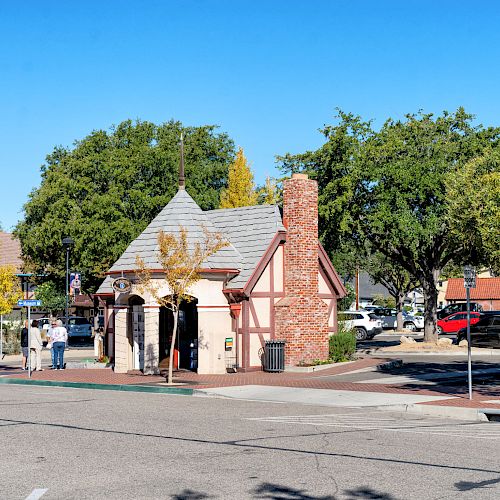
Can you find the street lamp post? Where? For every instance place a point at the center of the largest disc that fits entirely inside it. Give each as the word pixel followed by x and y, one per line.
pixel 67 243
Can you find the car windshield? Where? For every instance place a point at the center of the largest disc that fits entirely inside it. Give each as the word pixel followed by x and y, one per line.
pixel 373 316
pixel 78 321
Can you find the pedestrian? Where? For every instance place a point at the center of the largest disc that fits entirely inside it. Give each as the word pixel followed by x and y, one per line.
pixel 53 326
pixel 59 338
pixel 36 345
pixel 24 345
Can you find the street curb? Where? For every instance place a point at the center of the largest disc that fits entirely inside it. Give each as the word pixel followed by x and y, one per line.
pixel 379 351
pixel 453 412
pixel 101 387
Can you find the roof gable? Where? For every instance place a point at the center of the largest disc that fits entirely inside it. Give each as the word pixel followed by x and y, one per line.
pixel 10 251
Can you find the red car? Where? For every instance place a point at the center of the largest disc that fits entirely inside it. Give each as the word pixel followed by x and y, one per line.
pixel 456 321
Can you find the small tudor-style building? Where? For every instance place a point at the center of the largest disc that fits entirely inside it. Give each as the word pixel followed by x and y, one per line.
pixel 273 281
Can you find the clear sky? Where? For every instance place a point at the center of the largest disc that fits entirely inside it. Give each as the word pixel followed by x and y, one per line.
pixel 270 73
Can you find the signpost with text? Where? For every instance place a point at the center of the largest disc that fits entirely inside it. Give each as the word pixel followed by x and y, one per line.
pixel 469 282
pixel 29 304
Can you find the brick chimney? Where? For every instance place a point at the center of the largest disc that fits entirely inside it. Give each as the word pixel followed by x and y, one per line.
pixel 301 316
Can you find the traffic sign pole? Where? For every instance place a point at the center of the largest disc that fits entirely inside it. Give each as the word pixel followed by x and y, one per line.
pixel 29 303
pixel 29 341
pixel 469 282
pixel 469 354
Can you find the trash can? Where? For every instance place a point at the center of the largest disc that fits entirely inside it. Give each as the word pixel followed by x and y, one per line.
pixel 274 356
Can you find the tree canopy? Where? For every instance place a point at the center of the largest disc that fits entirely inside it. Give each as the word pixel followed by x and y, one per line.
pixel 106 189
pixel 240 191
pixel 387 189
pixel 10 291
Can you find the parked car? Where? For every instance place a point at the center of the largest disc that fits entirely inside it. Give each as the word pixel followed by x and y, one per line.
pixel 460 307
pixel 485 333
pixel 364 323
pixel 78 326
pixel 455 322
pixel 389 319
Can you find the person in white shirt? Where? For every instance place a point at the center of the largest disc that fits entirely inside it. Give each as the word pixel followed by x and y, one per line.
pixel 58 337
pixel 36 345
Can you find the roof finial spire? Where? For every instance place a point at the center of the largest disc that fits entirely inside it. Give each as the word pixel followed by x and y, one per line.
pixel 182 183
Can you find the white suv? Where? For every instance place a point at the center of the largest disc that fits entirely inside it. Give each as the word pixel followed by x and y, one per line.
pixel 364 323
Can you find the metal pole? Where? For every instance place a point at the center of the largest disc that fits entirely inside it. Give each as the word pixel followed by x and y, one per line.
pixel 469 360
pixel 29 341
pixel 67 285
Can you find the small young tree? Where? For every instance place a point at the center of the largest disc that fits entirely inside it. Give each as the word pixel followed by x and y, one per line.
pixel 53 300
pixel 269 193
pixel 10 291
pixel 181 261
pixel 240 190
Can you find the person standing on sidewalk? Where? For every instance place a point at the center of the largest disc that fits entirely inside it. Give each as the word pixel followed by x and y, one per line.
pixel 53 326
pixel 36 347
pixel 24 345
pixel 59 337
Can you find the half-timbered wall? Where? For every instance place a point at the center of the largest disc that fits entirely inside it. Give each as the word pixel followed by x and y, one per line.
pixel 257 318
pixel 327 294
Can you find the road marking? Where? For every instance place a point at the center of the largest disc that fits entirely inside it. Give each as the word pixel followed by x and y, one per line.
pixel 37 493
pixel 430 427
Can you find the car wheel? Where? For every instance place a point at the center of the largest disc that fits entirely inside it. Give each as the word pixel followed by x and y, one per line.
pixel 361 334
pixel 410 326
pixel 439 330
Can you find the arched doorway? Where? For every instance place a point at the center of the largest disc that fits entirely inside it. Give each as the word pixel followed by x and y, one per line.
pixel 136 332
pixel 186 345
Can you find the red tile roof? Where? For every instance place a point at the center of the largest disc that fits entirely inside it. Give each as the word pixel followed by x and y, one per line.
pixel 486 288
pixel 10 251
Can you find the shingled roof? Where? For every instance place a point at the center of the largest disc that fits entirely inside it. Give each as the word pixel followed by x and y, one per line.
pixel 249 230
pixel 181 211
pixel 10 251
pixel 486 288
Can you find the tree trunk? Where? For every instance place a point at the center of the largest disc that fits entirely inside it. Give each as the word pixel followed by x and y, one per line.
pixel 399 308
pixel 429 287
pixel 172 346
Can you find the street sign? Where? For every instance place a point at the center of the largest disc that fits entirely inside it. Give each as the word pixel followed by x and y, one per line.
pixel 29 303
pixel 469 277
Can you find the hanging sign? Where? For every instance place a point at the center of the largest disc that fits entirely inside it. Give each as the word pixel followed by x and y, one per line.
pixel 122 285
pixel 228 343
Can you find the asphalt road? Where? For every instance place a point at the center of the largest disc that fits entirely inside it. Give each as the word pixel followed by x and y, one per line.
pixel 68 443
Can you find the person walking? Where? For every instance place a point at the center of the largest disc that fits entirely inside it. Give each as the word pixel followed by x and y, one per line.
pixel 59 338
pixel 36 345
pixel 24 345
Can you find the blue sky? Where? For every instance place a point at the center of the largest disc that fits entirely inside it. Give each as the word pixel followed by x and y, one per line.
pixel 270 73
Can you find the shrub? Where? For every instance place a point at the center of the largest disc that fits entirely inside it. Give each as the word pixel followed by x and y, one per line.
pixel 11 340
pixel 342 345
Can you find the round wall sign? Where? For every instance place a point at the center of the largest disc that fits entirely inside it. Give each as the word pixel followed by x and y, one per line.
pixel 122 285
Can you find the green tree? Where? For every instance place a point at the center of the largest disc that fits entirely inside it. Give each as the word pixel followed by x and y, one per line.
pixel 395 278
pixel 473 194
pixel 53 300
pixel 106 189
pixel 240 191
pixel 387 189
pixel 269 194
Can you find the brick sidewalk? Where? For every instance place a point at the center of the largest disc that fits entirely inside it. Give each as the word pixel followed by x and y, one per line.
pixel 313 380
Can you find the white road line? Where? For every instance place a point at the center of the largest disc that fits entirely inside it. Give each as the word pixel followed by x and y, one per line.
pixel 476 431
pixel 37 493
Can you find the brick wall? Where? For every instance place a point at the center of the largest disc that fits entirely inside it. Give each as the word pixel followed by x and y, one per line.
pixel 301 317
